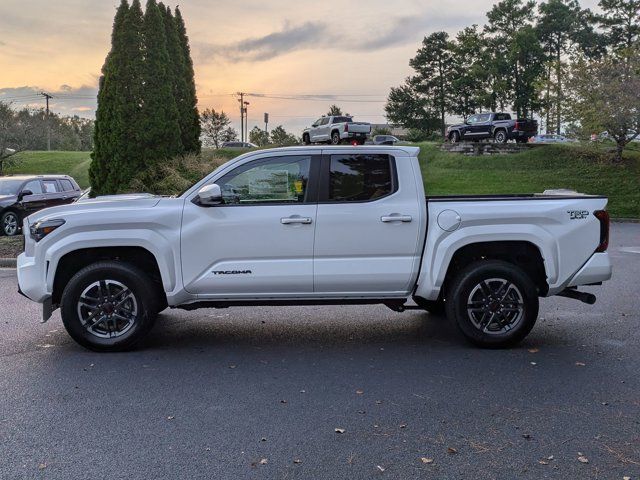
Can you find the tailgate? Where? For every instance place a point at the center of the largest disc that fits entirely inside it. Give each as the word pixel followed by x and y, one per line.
pixel 527 125
pixel 359 127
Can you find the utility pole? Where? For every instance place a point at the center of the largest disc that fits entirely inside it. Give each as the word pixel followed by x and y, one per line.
pixel 47 97
pixel 266 123
pixel 246 119
pixel 241 100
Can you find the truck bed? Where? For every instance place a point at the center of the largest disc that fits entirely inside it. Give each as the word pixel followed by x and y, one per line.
pixel 509 196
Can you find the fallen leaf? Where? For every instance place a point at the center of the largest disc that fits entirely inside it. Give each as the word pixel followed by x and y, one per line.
pixel 378 402
pixel 232 366
pixel 426 460
pixel 297 461
pixel 208 449
pixel 263 461
pixel 583 459
pixel 533 363
pixel 527 436
pixel 550 457
pixel 340 430
pixel 170 417
pixel 534 350
pixel 283 401
pixel 359 392
pixel 362 412
pixel 626 478
pixel 580 364
pixel 42 466
pixel 303 391
pixel 543 462
pixel 452 450
pixel 403 425
pixel 263 439
pixel 382 469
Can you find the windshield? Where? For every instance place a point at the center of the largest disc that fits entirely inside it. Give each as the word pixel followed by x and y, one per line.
pixel 9 187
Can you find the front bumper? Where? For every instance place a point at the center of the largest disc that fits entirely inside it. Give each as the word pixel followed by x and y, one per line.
pixel 597 269
pixel 32 281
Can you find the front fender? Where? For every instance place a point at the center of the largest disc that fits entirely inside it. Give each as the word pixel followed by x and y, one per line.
pixel 156 244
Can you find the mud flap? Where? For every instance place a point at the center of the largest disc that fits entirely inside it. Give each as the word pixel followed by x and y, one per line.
pixel 47 310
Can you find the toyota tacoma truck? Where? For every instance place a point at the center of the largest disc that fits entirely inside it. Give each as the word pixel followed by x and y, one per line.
pixel 313 226
pixel 336 130
pixel 497 126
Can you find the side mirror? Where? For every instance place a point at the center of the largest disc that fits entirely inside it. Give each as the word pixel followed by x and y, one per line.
pixel 24 193
pixel 209 196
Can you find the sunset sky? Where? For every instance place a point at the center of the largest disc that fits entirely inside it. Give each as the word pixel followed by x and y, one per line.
pixel 355 50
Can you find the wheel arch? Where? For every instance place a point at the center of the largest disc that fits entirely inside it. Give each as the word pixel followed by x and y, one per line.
pixel 77 259
pixel 521 253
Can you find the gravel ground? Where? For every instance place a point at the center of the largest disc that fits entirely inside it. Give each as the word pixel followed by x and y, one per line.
pixel 10 247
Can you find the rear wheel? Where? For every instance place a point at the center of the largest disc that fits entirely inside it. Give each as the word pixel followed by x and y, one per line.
pixel 494 303
pixel 335 138
pixel 500 136
pixel 109 306
pixel 10 224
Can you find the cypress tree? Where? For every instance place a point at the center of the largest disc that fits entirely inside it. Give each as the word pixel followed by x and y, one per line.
pixel 105 137
pixel 160 125
pixel 188 101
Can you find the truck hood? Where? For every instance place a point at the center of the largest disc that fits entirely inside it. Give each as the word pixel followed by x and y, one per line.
pixel 99 204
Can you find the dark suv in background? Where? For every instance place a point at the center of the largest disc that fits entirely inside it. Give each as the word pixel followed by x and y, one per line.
pixel 22 195
pixel 497 126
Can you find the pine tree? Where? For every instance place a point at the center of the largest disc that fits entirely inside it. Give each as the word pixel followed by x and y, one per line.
pixel 160 124
pixel 105 133
pixel 187 101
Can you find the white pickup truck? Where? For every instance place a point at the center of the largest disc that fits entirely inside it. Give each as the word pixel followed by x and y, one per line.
pixel 313 225
pixel 336 130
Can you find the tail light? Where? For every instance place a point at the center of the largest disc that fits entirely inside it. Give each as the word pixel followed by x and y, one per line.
pixel 603 216
pixel 346 127
pixel 517 127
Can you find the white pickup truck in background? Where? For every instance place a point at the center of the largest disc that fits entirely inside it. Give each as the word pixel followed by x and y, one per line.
pixel 336 130
pixel 313 225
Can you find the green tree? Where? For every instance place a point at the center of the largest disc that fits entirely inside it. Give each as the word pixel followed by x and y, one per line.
pixel 511 59
pixel 214 127
pixel 161 126
pixel 105 152
pixel 605 97
pixel 620 20
pixel 279 136
pixel 563 26
pixel 433 64
pixel 258 136
pixel 187 101
pixel 470 73
pixel 335 111
pixel 407 107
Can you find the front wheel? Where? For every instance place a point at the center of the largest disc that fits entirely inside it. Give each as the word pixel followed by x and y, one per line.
pixel 494 303
pixel 109 306
pixel 10 224
pixel 454 137
pixel 306 139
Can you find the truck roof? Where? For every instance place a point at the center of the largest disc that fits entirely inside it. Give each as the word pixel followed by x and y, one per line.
pixel 401 150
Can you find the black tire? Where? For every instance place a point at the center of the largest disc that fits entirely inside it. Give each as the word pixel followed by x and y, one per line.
pixel 335 138
pixel 432 306
pixel 454 137
pixel 110 276
pixel 10 223
pixel 518 308
pixel 305 139
pixel 500 136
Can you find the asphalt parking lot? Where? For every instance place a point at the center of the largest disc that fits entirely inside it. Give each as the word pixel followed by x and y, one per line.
pixel 329 392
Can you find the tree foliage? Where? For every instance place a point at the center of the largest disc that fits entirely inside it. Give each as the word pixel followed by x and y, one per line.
pixel 144 80
pixel 215 127
pixel 279 136
pixel 258 136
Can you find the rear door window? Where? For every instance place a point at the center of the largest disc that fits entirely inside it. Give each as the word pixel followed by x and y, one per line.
pixel 50 186
pixel 360 178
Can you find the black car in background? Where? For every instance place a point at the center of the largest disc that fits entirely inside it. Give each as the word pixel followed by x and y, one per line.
pixel 22 195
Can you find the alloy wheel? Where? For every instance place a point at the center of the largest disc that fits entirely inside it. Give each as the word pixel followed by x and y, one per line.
pixel 107 309
pixel 495 306
pixel 10 224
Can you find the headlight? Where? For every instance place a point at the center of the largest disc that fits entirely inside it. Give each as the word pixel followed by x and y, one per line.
pixel 41 229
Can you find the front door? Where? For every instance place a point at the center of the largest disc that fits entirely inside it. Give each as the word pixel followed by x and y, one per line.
pixel 259 242
pixel 34 202
pixel 368 226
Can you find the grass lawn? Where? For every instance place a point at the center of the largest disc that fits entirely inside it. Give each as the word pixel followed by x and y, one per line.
pixel 536 170
pixel 554 166
pixel 75 164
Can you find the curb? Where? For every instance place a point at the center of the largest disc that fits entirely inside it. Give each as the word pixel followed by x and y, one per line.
pixel 626 220
pixel 8 262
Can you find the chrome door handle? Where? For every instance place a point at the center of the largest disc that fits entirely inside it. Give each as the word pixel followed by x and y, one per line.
pixel 396 218
pixel 290 220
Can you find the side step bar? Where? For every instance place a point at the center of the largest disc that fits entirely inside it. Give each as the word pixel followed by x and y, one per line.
pixel 576 295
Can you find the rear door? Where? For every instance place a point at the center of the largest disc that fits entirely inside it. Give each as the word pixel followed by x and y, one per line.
pixel 69 191
pixel 53 194
pixel 368 225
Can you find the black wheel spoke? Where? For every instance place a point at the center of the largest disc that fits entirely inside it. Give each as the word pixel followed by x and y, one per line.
pixel 495 306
